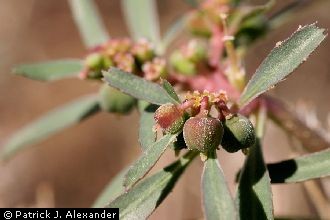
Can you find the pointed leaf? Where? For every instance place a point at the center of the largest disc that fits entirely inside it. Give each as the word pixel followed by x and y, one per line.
pixel 254 196
pixel 51 123
pixel 147 160
pixel 140 201
pixel 51 70
pixel 114 189
pixel 170 90
pixel 302 168
pixel 282 60
pixel 147 134
pixel 89 22
pixel 217 200
pixel 137 86
pixel 142 19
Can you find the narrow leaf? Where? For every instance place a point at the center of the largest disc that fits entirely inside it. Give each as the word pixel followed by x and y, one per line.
pixel 137 86
pixel 217 200
pixel 254 193
pixel 147 134
pixel 114 189
pixel 147 160
pixel 142 19
pixel 170 90
pixel 89 22
pixel 302 168
pixel 282 60
pixel 140 201
pixel 172 32
pixel 51 70
pixel 254 196
pixel 51 123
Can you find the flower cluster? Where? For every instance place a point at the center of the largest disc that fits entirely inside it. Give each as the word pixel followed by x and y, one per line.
pixel 203 131
pixel 134 57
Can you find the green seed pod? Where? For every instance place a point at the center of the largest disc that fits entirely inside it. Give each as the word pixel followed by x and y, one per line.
pixel 202 133
pixel 238 134
pixel 112 100
pixel 182 64
pixel 169 118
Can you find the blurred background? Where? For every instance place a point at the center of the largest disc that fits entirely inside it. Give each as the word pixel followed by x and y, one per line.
pixel 71 168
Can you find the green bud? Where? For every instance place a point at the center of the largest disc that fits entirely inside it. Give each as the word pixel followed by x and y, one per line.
pixel 195 51
pixel 202 133
pixel 182 64
pixel 238 133
pixel 169 118
pixel 197 26
pixel 112 100
pixel 143 51
pixel 94 61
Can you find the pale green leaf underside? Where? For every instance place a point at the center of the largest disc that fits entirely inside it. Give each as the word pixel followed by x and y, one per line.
pixel 147 134
pixel 217 200
pixel 282 60
pixel 140 201
pixel 50 70
pixel 137 86
pixel 52 122
pixel 114 189
pixel 302 168
pixel 89 22
pixel 147 160
pixel 142 19
pixel 254 195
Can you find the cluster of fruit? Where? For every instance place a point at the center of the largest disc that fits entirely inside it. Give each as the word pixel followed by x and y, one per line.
pixel 200 130
pixel 134 57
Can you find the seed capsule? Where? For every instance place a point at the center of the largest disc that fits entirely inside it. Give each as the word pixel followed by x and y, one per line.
pixel 238 134
pixel 202 133
pixel 169 118
pixel 112 100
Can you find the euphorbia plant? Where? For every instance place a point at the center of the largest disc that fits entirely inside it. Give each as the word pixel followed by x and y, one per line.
pixel 194 100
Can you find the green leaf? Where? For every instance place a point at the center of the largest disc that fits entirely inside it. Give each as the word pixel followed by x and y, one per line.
pixel 51 70
pixel 302 168
pixel 114 189
pixel 172 32
pixel 140 201
pixel 147 134
pixel 51 123
pixel 217 200
pixel 142 19
pixel 170 90
pixel 89 22
pixel 147 160
pixel 254 196
pixel 137 87
pixel 282 60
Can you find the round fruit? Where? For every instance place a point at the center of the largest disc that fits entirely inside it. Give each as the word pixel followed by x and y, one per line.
pixel 112 100
pixel 169 118
pixel 202 133
pixel 238 133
